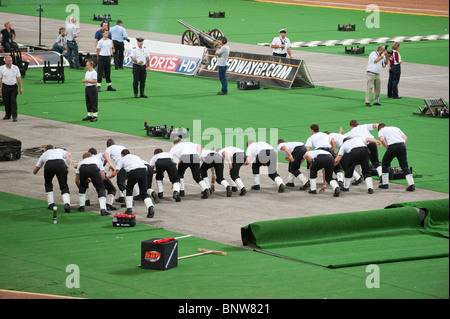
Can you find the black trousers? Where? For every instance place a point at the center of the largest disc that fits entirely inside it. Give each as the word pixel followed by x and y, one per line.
pixel 238 160
pixel 358 156
pixel 138 176
pixel 166 165
pixel 104 67
pixel 213 160
pixel 191 161
pixel 118 54
pixel 373 149
pixel 395 151
pixel 297 154
pixel 59 168
pixel 394 79
pixel 91 97
pixel 10 46
pixel 267 158
pixel 325 162
pixel 139 78
pixel 9 96
pixel 93 172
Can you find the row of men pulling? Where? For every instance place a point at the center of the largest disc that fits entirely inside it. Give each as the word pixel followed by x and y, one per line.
pixel 131 170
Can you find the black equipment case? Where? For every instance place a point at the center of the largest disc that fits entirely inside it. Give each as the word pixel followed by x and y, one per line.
pixel 10 149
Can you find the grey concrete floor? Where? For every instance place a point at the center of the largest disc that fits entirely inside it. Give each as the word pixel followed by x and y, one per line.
pixel 217 218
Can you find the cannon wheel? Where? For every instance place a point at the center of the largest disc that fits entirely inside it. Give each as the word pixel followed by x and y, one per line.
pixel 216 34
pixel 190 38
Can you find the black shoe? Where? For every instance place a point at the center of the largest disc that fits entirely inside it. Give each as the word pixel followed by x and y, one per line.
pixel 243 191
pixel 229 191
pixel 120 200
pixel 143 96
pixel 93 119
pixel 87 118
pixel 206 193
pixel 234 188
pixel 67 208
pixel 80 209
pixel 305 187
pixel 341 184
pixel 161 195
pixel 343 189
pixel 256 187
pixel 51 206
pixel 370 190
pixel 7 118
pixel 221 93
pixel 397 97
pixel 337 192
pixel 378 104
pixel 104 212
pixel 87 203
pixel 411 188
pixel 368 104
pixel 176 196
pixel 358 181
pixel 110 88
pixel 151 212
pixel 290 185
pixel 137 198
pixel 181 193
pixel 155 197
pixel 136 96
pixel 110 207
pixel 15 119
pixel 281 188
pixel 312 192
pixel 384 186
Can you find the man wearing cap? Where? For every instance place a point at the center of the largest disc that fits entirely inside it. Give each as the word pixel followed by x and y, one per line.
pixel 281 45
pixel 141 63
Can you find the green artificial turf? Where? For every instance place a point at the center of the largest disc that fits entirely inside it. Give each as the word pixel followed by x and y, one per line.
pixel 39 256
pixel 218 121
pixel 254 22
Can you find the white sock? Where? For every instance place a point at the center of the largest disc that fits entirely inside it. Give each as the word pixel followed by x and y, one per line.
pixel 409 179
pixel 121 194
pixel 239 183
pixel 224 183
pixel 82 198
pixel 385 178
pixel 379 170
pixel 160 186
pixel 50 198
pixel 313 184
pixel 176 187
pixel 334 184
pixel 256 179
pixel 110 199
pixel 181 184
pixel 356 176
pixel 347 182
pixel 148 202
pixel 369 182
pixel 87 193
pixel 102 201
pixel 302 179
pixel 66 198
pixel 136 190
pixel 206 180
pixel 129 201
pixel 278 180
pixel 340 176
pixel 203 185
pixel 291 177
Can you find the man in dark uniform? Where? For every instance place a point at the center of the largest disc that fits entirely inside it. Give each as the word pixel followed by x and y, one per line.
pixel 141 63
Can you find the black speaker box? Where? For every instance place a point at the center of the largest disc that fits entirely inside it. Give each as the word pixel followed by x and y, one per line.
pixel 10 148
pixel 159 256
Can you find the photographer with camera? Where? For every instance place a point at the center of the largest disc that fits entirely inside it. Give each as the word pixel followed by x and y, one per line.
pixel 377 61
pixel 281 45
pixel 395 60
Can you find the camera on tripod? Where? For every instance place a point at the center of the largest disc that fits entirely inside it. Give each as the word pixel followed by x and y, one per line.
pixel 386 49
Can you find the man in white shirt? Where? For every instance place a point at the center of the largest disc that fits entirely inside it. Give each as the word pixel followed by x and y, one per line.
pixel 214 161
pixel 72 46
pixel 235 157
pixel 189 157
pixel 9 77
pixel 115 153
pixel 137 173
pixel 394 140
pixel 264 155
pixel 281 45
pixel 105 50
pixel 294 152
pixel 141 63
pixel 55 162
pixel 164 162
pixel 321 160
pixel 377 61
pixel 222 54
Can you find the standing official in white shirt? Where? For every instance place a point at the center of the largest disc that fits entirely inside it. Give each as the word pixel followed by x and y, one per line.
pixel 91 93
pixel 9 78
pixel 377 61
pixel 141 63
pixel 281 45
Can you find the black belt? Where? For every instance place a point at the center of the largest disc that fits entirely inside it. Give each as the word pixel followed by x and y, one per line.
pixel 373 73
pixel 9 86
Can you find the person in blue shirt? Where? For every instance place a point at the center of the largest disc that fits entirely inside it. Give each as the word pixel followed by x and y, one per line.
pixel 99 34
pixel 118 35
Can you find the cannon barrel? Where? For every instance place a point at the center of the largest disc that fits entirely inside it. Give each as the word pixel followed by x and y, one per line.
pixel 194 36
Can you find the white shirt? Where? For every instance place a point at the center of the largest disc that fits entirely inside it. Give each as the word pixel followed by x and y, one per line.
pixel 257 147
pixel 338 138
pixel 362 130
pixel 230 150
pixel 351 144
pixel 71 30
pixel 118 33
pixel 130 162
pixel 375 67
pixel 90 75
pixel 279 41
pixel 392 135
pixel 9 75
pixel 91 160
pixel 114 152
pixel 53 154
pixel 184 148
pixel 315 153
pixel 105 47
pixel 160 156
pixel 318 140
pixel 140 54
pixel 224 52
pixel 290 146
